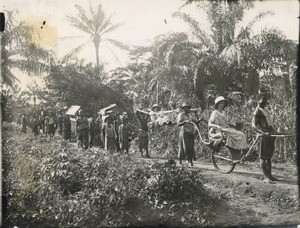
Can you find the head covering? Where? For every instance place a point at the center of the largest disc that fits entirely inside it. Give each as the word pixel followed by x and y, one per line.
pixel 218 100
pixel 185 104
pixel 155 106
pixel 105 117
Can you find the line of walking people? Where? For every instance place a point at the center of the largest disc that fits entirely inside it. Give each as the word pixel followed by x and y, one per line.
pixel 47 124
pixel 114 134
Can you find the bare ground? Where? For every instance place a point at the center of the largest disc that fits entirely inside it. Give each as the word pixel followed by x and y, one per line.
pixel 249 200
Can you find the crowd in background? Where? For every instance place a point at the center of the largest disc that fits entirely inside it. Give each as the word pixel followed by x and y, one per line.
pixel 111 133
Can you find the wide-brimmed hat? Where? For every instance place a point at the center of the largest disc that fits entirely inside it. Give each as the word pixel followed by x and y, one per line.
pixel 155 106
pixel 186 104
pixel 219 99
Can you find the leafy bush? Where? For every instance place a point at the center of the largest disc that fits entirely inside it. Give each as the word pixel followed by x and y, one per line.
pixel 55 184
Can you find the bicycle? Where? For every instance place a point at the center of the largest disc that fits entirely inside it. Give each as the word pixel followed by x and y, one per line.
pixel 224 160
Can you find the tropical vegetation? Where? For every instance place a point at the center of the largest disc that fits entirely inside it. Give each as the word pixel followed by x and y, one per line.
pixel 55 184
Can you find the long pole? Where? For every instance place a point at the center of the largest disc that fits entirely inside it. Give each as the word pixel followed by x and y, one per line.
pixel 156 91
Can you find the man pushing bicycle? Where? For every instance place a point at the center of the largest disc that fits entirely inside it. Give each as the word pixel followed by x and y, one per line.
pixel 262 123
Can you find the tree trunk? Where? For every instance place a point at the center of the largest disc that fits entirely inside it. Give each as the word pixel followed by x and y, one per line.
pixel 97 60
pixel 34 101
pixel 252 82
pixel 96 41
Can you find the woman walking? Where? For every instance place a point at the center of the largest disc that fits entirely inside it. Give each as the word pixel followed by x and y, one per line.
pixel 124 135
pixel 109 135
pixel 187 133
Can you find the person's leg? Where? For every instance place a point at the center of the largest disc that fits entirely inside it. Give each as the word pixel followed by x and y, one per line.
pixel 141 150
pixel 269 169
pixel 263 165
pixel 79 138
pixel 147 146
pixel 147 153
pixel 86 139
pixel 191 162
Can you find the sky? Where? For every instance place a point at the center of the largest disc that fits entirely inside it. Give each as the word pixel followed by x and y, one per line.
pixel 142 21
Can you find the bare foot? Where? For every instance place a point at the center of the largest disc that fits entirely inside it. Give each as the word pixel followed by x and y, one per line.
pixel 268 180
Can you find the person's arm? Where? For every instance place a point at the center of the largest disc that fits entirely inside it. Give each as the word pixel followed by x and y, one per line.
pixel 254 122
pixel 76 126
pixel 120 132
pixel 211 121
pixel 114 130
pixel 103 132
pixel 180 120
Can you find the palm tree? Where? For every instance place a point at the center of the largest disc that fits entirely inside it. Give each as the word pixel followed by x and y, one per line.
pixel 97 25
pixel 18 51
pixel 33 92
pixel 163 70
pixel 221 46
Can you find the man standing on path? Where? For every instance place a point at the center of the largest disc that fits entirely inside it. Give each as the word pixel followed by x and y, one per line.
pixel 143 131
pixel 124 134
pixel 23 123
pixel 42 122
pixel 262 123
pixel 51 125
pixel 82 129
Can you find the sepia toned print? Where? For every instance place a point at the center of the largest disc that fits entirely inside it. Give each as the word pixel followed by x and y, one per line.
pixel 176 113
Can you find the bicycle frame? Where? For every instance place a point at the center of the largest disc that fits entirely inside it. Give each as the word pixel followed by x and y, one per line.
pixel 249 150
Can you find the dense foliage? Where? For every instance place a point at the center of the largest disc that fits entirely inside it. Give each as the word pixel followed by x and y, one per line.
pixel 78 84
pixel 55 184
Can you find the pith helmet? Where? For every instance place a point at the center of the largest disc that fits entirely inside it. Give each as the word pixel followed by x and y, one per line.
pixel 155 106
pixel 186 104
pixel 219 99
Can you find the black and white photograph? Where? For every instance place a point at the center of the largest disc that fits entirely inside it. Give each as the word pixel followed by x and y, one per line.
pixel 149 113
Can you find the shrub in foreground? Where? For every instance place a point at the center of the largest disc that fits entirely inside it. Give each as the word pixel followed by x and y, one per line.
pixel 55 184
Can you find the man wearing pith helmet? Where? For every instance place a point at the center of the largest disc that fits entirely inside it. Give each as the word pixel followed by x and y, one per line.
pixel 187 133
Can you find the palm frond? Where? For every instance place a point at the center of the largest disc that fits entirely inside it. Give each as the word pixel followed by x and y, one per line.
pixel 115 55
pixel 112 28
pixel 98 17
pixel 9 78
pixel 196 30
pixel 245 31
pixel 119 44
pixel 83 16
pixel 69 37
pixel 74 21
pixel 30 66
pixel 73 52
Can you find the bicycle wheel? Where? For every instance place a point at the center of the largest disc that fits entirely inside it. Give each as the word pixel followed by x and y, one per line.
pixel 223 160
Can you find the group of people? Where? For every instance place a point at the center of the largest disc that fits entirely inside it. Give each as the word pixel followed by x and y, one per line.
pixel 220 129
pixel 47 124
pixel 116 133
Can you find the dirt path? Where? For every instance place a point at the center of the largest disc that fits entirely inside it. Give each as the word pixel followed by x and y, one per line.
pixel 248 199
